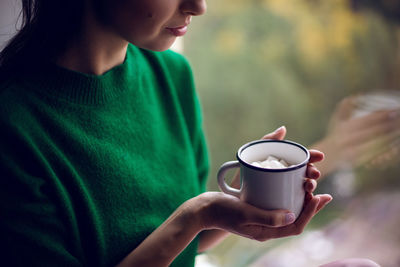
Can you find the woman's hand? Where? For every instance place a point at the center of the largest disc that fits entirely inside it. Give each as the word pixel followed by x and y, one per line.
pixel 261 224
pixel 217 211
pixel 356 141
pixel 228 213
pixel 220 213
pixel 231 214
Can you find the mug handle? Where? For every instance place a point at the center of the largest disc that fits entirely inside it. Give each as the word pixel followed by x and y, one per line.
pixel 221 178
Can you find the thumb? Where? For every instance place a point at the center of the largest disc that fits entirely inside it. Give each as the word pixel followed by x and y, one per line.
pixel 278 134
pixel 272 218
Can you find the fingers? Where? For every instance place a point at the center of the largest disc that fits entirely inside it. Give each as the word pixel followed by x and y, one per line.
pixel 272 218
pixel 312 171
pixel 308 197
pixel 367 151
pixel 307 213
pixel 310 185
pixel 231 214
pixel 259 223
pixel 387 125
pixel 374 118
pixel 278 134
pixel 228 212
pixel 315 204
pixel 236 180
pixel 324 200
pixel 298 226
pixel 263 224
pixel 313 207
pixel 316 156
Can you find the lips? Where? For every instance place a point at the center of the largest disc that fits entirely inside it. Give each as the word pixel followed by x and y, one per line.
pixel 178 31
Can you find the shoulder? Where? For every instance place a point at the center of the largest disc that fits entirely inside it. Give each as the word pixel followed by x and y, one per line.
pixel 8 92
pixel 14 102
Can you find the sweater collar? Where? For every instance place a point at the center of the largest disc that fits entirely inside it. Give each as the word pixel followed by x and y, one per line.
pixel 82 88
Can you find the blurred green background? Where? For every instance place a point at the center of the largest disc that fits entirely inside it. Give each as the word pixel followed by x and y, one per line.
pixel 260 64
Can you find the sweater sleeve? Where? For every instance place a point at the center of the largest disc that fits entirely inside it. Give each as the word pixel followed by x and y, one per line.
pixel 200 145
pixel 192 111
pixel 178 71
pixel 31 230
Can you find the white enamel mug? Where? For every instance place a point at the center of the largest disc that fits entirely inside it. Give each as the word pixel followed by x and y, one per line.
pixel 269 188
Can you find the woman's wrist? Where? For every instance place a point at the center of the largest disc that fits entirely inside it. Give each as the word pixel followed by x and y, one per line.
pixel 206 210
pixel 170 238
pixel 210 235
pixel 194 212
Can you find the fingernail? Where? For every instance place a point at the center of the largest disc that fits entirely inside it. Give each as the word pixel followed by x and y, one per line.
pixel 280 128
pixel 289 218
pixel 329 199
pixel 316 174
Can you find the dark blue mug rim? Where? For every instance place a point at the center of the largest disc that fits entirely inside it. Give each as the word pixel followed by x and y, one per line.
pixel 297 166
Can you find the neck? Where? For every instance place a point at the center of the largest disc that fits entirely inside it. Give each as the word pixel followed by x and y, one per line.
pixel 96 49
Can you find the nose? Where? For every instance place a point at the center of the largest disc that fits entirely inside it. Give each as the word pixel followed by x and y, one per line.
pixel 194 7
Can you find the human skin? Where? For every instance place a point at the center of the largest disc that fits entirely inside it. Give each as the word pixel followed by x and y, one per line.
pixel 214 215
pixel 103 40
pixel 100 46
pixel 210 238
pixel 370 140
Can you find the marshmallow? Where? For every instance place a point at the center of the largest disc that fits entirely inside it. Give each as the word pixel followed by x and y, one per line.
pixel 271 163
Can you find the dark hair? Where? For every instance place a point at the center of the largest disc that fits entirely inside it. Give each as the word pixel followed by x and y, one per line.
pixel 390 9
pixel 47 26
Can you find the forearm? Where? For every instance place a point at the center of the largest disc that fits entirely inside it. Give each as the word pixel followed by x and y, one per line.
pixel 210 238
pixel 162 246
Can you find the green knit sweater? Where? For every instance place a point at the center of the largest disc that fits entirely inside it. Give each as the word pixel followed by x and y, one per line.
pixel 91 165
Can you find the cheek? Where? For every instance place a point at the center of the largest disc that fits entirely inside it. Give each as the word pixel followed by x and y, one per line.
pixel 141 22
pixel 144 10
pixel 139 18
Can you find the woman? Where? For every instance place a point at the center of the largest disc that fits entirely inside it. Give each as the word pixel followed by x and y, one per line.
pixel 103 159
